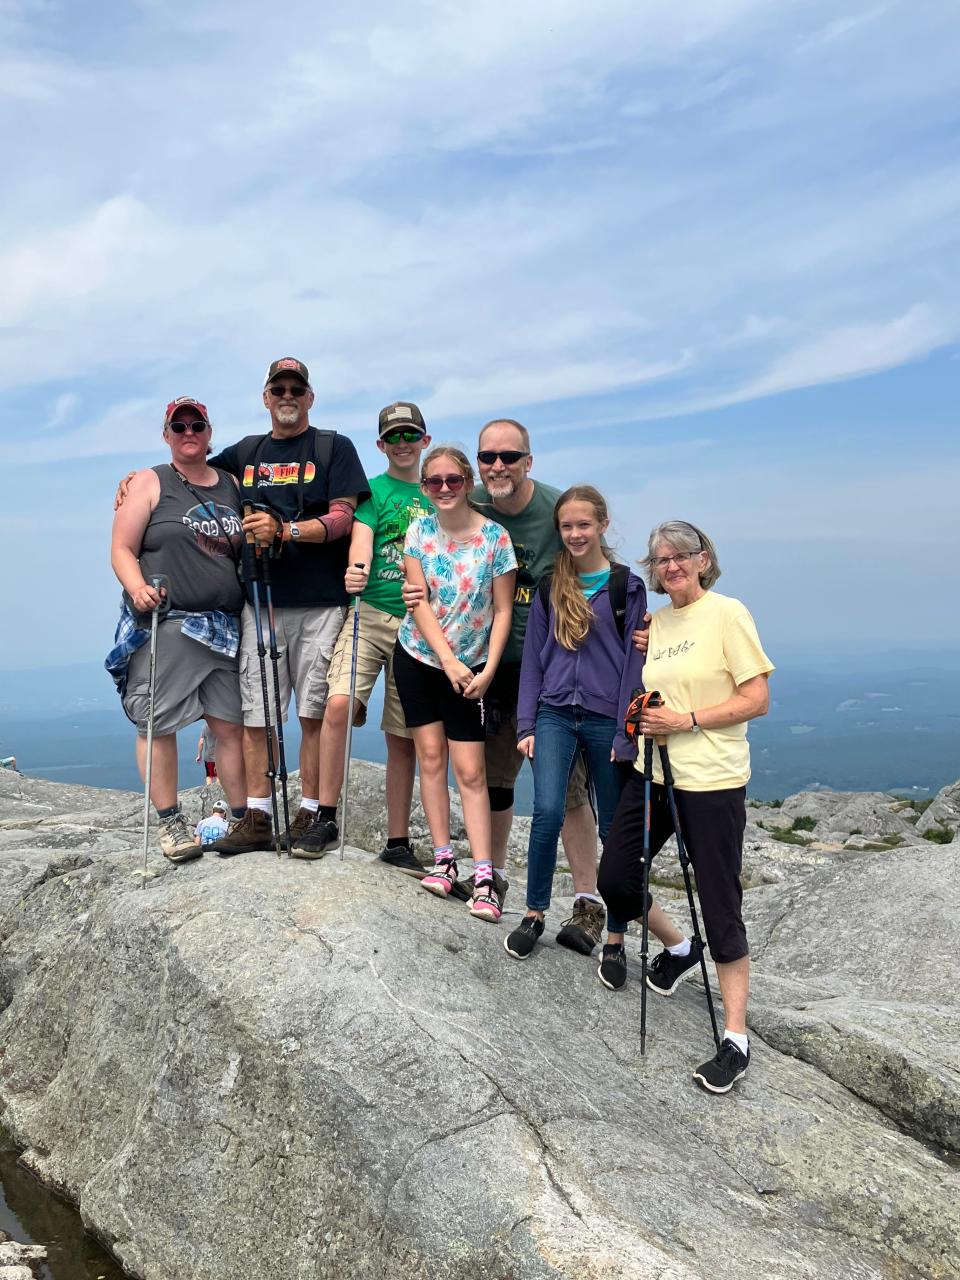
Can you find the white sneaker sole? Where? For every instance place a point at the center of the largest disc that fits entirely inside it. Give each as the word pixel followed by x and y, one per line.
pixel 715 1088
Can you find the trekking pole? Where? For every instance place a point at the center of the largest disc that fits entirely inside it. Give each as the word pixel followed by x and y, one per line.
pixel 275 660
pixel 645 927
pixel 349 741
pixel 685 867
pixel 262 655
pixel 159 583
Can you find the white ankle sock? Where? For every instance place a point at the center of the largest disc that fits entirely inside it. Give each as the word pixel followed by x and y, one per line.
pixel 742 1043
pixel 681 949
pixel 591 897
pixel 259 802
pixel 312 805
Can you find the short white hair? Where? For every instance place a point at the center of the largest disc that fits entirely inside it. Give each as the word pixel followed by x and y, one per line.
pixel 682 536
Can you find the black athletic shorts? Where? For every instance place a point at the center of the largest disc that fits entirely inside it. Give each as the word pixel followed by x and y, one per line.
pixel 428 697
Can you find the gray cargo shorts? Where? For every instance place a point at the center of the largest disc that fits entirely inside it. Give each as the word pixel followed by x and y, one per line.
pixel 192 682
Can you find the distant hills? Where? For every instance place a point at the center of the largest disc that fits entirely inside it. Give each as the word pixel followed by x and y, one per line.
pixel 887 722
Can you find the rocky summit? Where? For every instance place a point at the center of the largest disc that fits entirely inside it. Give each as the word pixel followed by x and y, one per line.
pixel 258 1067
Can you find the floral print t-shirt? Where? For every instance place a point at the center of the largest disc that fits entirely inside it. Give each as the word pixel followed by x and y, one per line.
pixel 459 576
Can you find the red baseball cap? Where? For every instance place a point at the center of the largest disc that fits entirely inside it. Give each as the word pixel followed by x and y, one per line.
pixel 185 402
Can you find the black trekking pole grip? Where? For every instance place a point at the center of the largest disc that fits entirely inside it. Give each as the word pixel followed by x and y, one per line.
pixel 161 584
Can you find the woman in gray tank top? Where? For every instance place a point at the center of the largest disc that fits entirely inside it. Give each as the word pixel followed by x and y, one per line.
pixel 182 520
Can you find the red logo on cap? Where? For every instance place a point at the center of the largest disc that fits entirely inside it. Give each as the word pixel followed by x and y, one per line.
pixel 288 363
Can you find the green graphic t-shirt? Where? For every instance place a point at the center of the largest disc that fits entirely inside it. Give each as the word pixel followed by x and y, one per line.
pixel 388 511
pixel 536 543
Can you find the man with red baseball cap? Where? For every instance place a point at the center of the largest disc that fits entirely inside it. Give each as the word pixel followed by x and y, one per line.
pixel 305 485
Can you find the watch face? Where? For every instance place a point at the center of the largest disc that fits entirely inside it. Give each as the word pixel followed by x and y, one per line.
pixel 294 531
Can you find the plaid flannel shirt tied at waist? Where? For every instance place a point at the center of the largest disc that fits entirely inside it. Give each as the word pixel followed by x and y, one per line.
pixel 218 631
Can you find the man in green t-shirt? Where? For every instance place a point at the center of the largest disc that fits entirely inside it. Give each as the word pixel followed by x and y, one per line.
pixel 379 531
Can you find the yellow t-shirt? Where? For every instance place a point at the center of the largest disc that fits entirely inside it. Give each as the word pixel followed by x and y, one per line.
pixel 697 657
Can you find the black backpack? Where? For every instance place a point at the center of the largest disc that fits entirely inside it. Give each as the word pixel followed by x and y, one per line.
pixel 617 588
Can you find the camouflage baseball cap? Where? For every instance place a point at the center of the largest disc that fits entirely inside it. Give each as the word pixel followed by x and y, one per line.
pixel 401 414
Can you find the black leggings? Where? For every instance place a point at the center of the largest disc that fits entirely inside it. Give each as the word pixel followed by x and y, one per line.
pixel 712 823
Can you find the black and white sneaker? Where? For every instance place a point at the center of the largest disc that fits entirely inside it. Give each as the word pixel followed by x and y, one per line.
pixel 665 972
pixel 612 970
pixel 524 938
pixel 402 858
pixel 721 1073
pixel 321 836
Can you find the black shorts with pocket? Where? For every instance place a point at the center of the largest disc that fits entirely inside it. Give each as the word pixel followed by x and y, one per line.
pixel 428 697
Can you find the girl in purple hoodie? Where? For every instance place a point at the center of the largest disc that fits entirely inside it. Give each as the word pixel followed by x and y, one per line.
pixel 578 672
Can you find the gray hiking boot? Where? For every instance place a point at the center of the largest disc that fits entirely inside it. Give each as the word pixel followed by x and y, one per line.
pixel 583 931
pixel 176 839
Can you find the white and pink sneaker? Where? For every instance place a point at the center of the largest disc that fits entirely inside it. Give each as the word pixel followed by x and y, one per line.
pixel 441 879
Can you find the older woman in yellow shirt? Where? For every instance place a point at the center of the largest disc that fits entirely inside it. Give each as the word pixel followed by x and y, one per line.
pixel 705 658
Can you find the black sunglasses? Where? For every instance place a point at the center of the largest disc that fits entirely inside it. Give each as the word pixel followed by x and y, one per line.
pixel 398 436
pixel 436 483
pixel 297 389
pixel 507 456
pixel 197 426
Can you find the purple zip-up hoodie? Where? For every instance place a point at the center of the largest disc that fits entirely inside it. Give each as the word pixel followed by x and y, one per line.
pixel 599 676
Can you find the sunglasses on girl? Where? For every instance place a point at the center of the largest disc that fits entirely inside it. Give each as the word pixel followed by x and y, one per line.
pixel 435 483
pixel 197 427
pixel 399 436
pixel 507 456
pixel 297 389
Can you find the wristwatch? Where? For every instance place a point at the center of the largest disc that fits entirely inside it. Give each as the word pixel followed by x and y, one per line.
pixel 694 727
pixel 294 530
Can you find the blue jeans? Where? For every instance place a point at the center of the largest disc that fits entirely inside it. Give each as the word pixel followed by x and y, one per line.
pixel 559 734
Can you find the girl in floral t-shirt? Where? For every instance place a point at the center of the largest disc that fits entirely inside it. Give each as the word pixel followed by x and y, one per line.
pixel 447 651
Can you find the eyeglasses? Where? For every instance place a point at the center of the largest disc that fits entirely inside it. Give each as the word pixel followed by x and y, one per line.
pixel 197 426
pixel 398 436
pixel 435 483
pixel 297 389
pixel 678 559
pixel 507 456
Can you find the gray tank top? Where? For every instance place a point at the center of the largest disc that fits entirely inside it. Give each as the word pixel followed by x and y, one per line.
pixel 195 538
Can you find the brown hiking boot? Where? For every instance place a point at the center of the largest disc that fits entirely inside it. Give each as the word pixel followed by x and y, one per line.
pixel 176 839
pixel 583 931
pixel 254 831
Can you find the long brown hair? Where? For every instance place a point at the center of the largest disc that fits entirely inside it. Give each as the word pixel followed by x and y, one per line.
pixel 572 611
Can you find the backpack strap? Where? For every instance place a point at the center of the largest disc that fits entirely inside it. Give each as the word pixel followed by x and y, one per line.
pixel 616 589
pixel 251 447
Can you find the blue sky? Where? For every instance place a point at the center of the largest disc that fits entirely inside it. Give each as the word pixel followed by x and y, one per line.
pixel 706 251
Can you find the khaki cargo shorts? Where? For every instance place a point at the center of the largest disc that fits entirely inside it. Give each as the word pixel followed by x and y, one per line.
pixel 305 641
pixel 504 763
pixel 375 644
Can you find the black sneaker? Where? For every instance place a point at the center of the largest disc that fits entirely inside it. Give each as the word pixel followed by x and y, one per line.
pixel 612 970
pixel 584 929
pixel 402 858
pixel 318 839
pixel 665 972
pixel 524 938
pixel 721 1073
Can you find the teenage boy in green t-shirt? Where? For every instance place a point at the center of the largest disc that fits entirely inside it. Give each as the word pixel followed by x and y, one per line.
pixel 379 530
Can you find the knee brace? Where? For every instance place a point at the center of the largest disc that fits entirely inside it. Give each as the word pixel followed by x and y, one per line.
pixel 501 798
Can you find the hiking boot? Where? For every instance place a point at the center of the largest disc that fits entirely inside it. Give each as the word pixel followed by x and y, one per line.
pixel 524 938
pixel 665 972
pixel 176 839
pixel 301 823
pixel 612 970
pixel 320 837
pixel 721 1073
pixel 253 832
pixel 402 858
pixel 441 878
pixel 583 931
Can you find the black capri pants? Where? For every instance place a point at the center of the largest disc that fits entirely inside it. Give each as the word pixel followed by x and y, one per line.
pixel 427 696
pixel 712 823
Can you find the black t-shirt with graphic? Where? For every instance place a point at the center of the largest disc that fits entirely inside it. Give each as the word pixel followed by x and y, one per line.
pixel 305 574
pixel 194 539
